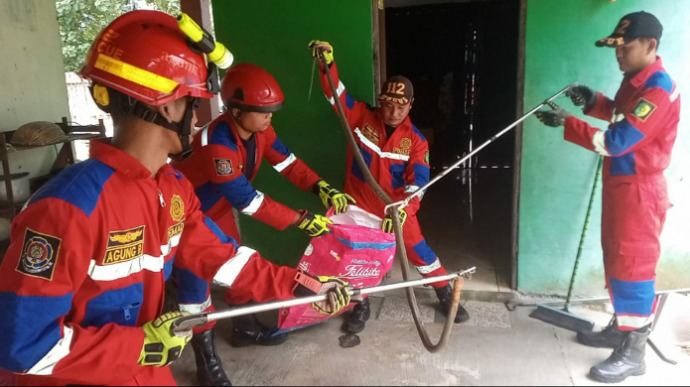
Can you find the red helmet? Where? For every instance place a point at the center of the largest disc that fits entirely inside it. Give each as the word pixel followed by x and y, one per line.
pixel 145 55
pixel 250 88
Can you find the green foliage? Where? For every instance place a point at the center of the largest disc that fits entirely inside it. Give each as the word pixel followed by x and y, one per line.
pixel 81 20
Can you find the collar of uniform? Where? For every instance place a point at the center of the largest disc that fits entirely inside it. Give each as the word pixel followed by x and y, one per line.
pixel 118 159
pixel 640 78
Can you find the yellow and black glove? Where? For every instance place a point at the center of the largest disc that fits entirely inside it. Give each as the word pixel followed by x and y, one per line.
pixel 332 197
pixel 387 224
pixel 325 47
pixel 337 289
pixel 313 224
pixel 161 346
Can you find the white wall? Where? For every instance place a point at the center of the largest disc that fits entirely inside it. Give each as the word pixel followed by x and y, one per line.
pixel 32 77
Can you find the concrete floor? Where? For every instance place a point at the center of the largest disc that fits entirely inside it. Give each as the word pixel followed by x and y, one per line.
pixel 495 347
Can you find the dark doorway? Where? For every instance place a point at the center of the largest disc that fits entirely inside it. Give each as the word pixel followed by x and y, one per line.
pixel 462 59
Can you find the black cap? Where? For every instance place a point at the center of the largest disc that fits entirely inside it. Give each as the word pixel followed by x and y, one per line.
pixel 632 26
pixel 397 89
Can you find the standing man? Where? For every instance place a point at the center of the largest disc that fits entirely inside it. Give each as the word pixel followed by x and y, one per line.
pixel 227 156
pixel 398 156
pixel 643 120
pixel 83 279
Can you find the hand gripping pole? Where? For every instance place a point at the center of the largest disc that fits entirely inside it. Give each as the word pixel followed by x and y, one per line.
pixel 195 320
pixel 418 192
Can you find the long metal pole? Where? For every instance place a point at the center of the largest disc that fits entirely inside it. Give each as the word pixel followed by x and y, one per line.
pixel 191 321
pixel 419 191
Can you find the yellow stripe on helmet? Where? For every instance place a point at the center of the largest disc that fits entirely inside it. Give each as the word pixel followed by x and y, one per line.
pixel 135 74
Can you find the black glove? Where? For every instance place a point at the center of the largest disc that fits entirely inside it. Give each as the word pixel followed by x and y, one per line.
pixel 554 118
pixel 582 95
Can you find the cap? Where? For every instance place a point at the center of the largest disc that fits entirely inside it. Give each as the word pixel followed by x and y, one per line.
pixel 397 89
pixel 632 26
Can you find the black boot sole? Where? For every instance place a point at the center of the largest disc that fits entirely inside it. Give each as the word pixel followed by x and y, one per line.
pixel 618 378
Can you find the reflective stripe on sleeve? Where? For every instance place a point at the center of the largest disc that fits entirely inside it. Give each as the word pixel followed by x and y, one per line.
pixel 58 352
pixel 254 204
pixel 338 91
pixel 599 142
pixel 227 273
pixel 285 163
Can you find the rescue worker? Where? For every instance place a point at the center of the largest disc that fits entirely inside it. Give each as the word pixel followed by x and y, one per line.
pixel 84 275
pixel 643 120
pixel 398 156
pixel 227 156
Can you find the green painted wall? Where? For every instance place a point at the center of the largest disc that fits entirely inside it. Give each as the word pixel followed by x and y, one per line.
pixel 274 34
pixel 556 175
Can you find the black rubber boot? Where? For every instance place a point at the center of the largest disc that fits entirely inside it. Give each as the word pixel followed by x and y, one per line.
pixel 445 297
pixel 358 317
pixel 247 330
pixel 626 360
pixel 209 369
pixel 609 337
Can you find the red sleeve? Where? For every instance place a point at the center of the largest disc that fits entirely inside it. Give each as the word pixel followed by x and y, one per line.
pixel 238 190
pixel 46 264
pixel 287 163
pixel 213 256
pixel 641 123
pixel 603 109
pixel 353 109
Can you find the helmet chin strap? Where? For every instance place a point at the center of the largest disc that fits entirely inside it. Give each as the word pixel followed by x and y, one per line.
pixel 183 129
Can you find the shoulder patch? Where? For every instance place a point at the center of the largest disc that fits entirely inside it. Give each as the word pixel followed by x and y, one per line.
pixel 39 255
pixel 223 167
pixel 644 109
pixel 426 157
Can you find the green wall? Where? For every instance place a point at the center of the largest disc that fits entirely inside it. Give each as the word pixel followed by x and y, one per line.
pixel 274 34
pixel 557 176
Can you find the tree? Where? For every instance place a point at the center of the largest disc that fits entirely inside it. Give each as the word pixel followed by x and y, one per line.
pixel 81 20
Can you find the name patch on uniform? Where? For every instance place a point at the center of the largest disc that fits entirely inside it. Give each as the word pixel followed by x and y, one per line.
pixel 124 245
pixel 370 134
pixel 175 230
pixel 223 167
pixel 644 109
pixel 39 255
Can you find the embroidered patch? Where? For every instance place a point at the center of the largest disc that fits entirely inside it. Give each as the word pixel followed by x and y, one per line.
pixel 124 245
pixel 370 133
pixel 426 157
pixel 405 144
pixel 644 109
pixel 223 167
pixel 39 255
pixel 177 208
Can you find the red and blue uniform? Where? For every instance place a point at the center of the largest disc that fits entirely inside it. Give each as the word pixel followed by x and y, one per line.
pixel 399 163
pixel 637 147
pixel 217 169
pixel 87 265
